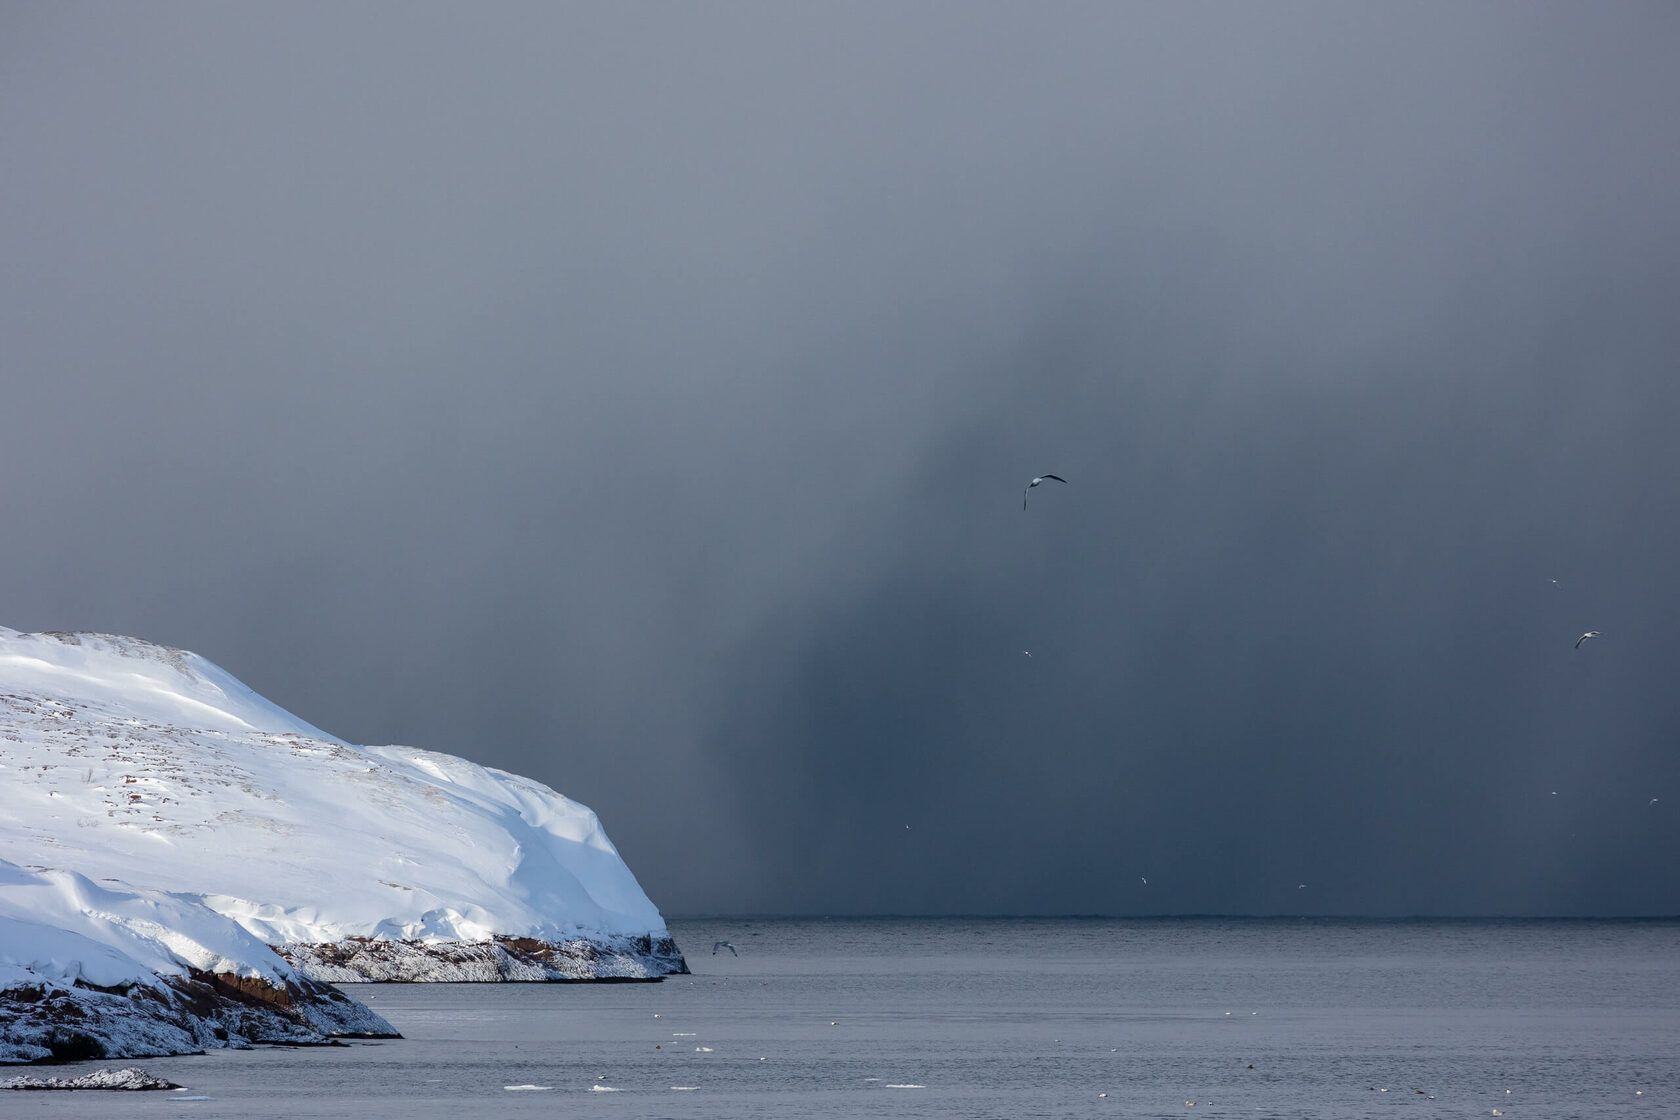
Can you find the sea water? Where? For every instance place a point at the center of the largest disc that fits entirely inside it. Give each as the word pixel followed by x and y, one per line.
pixel 1007 1018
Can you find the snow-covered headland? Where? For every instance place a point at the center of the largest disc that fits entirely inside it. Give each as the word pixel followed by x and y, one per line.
pixel 172 841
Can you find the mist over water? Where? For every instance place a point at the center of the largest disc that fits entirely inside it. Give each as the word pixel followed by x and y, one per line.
pixel 639 399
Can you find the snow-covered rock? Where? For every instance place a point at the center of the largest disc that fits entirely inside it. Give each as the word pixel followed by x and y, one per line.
pixel 151 771
pixel 98 972
pixel 98 1079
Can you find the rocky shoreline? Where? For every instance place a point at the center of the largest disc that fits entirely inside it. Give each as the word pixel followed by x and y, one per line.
pixel 54 1022
pixel 63 1022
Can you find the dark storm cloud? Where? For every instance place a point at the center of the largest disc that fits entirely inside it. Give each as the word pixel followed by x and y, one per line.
pixel 639 398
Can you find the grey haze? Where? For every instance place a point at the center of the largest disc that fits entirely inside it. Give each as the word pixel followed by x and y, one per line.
pixel 638 397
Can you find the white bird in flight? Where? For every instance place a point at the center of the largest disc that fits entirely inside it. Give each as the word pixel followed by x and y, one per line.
pixel 1035 482
pixel 1584 637
pixel 716 945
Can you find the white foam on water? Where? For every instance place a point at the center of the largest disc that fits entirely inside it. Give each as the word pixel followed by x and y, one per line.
pixel 527 1088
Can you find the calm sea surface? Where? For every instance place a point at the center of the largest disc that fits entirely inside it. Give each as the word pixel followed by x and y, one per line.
pixel 1009 1018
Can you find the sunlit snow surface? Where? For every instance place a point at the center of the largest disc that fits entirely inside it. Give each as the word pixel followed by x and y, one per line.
pixel 144 768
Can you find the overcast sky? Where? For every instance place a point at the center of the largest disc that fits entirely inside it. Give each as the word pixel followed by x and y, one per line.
pixel 639 397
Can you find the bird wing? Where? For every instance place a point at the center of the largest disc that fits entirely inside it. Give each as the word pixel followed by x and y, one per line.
pixel 1057 477
pixel 1024 496
pixel 1584 637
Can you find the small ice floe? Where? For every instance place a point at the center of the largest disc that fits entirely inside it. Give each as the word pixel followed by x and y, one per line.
pixel 604 1089
pixel 907 1086
pixel 98 1079
pixel 527 1088
pixel 702 1049
pixel 872 1079
pixel 684 1034
pixel 684 1088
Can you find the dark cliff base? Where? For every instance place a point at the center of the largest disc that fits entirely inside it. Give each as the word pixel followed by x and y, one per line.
pixel 365 960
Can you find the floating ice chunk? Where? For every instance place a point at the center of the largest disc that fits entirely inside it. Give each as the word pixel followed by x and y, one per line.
pixel 527 1088
pixel 684 1088
pixel 604 1089
pixel 907 1086
pixel 703 1049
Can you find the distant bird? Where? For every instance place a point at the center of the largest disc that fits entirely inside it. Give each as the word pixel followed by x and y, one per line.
pixel 1584 637
pixel 1145 881
pixel 1035 482
pixel 716 945
pixel 1028 652
pixel 1653 802
pixel 1300 886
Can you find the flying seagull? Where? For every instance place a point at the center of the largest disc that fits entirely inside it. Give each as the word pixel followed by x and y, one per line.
pixel 716 945
pixel 1584 637
pixel 1035 482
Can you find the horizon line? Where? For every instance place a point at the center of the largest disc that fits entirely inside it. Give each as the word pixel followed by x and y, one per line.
pixel 772 916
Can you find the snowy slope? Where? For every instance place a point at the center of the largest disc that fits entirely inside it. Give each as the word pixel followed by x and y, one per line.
pixel 153 768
